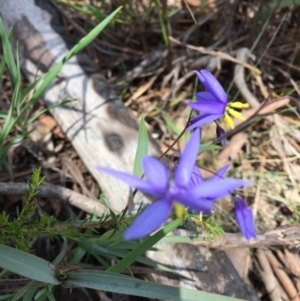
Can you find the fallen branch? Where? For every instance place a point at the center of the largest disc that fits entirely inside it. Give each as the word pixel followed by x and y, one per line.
pixel 282 236
pixel 268 277
pixel 54 191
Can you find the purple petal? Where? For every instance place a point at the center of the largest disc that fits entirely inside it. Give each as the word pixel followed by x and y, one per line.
pixel 244 218
pixel 213 190
pixel 156 173
pixel 131 180
pixel 212 85
pixel 206 96
pixel 201 120
pixel 187 160
pixel 212 106
pixel 196 178
pixel 220 173
pixel 149 220
pixel 195 203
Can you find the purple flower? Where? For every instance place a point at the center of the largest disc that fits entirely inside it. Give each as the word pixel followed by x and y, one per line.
pixel 220 132
pixel 211 104
pixel 198 179
pixel 169 188
pixel 244 218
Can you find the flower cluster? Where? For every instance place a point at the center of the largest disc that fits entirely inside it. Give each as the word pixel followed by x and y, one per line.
pixel 184 186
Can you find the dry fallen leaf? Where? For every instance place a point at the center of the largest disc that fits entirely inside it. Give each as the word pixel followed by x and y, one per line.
pixel 49 123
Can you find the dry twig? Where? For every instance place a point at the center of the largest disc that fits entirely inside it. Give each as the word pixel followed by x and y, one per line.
pixel 242 54
pixel 268 276
pixel 282 236
pixel 220 54
pixel 282 277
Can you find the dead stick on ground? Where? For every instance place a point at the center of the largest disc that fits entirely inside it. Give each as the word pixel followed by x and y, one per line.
pixel 54 191
pixel 282 277
pixel 282 236
pixel 268 277
pixel 287 235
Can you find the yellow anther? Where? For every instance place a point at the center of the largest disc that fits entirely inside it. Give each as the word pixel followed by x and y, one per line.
pixel 235 114
pixel 179 210
pixel 228 120
pixel 238 105
pixel 201 217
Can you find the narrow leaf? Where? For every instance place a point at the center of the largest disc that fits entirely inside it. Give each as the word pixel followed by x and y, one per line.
pixel 49 77
pixel 8 52
pixel 208 147
pixel 169 122
pixel 143 247
pixel 27 265
pixel 59 258
pixel 142 148
pixel 121 284
pixel 29 287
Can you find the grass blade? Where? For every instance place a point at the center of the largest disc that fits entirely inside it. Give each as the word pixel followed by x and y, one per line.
pixel 8 53
pixel 29 287
pixel 76 49
pixel 27 265
pixel 111 282
pixel 143 247
pixel 142 148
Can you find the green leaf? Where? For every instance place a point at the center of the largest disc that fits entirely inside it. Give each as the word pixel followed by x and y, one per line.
pixel 111 282
pixel 207 147
pixel 169 122
pixel 142 148
pixel 8 53
pixel 41 295
pixel 92 34
pixel 35 116
pixel 161 18
pixel 27 265
pixel 143 247
pixel 2 66
pixel 74 7
pixel 95 249
pixel 92 247
pixel 6 297
pixel 79 253
pixel 9 124
pixel 59 258
pixel 49 294
pixel 29 295
pixel 28 289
